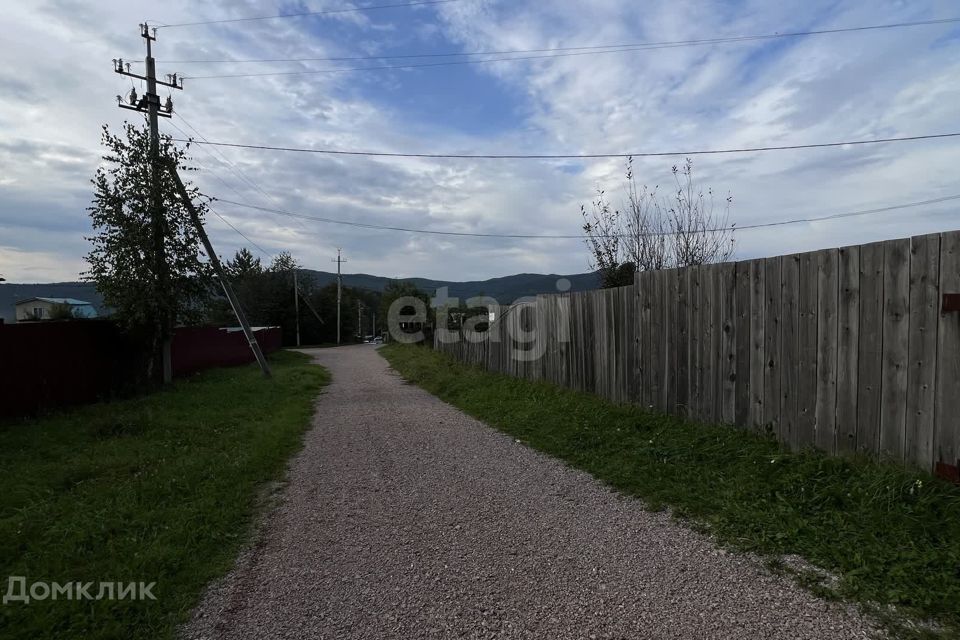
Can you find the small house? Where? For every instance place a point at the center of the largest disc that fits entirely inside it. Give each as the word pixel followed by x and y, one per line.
pixel 35 309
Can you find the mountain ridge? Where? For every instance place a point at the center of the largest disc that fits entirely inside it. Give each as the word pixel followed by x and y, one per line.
pixel 504 288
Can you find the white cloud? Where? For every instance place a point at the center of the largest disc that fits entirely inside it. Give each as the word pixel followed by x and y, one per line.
pixel 813 89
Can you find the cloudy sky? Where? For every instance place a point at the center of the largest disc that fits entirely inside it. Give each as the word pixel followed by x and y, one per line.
pixel 57 88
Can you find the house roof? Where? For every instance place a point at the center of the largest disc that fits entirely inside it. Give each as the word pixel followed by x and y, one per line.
pixel 73 302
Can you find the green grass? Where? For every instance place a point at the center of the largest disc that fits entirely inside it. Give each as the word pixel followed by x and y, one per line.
pixel 161 488
pixel 892 534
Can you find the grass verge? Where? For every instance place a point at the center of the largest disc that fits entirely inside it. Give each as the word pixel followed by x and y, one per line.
pixel 160 488
pixel 892 535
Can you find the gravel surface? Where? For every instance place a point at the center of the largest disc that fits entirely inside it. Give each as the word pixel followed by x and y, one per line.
pixel 405 518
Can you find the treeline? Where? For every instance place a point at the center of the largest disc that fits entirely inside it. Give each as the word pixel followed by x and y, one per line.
pixel 267 295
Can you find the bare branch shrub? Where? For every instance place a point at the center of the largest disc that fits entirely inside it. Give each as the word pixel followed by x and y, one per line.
pixel 699 233
pixel 654 232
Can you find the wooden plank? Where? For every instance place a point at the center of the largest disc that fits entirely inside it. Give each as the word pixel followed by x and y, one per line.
pixel 598 346
pixel 630 302
pixel 592 330
pixel 566 327
pixel 684 277
pixel 613 341
pixel 728 343
pixel 742 395
pixel 896 342
pixel 626 341
pixel 789 347
pixel 828 297
pixel 637 333
pixel 757 325
pixel 947 434
pixel 646 313
pixel 772 290
pixel 546 337
pixel 870 357
pixel 922 358
pixel 710 310
pixel 848 348
pixel 657 333
pixel 573 349
pixel 803 435
pixel 695 301
pixel 670 325
pixel 615 351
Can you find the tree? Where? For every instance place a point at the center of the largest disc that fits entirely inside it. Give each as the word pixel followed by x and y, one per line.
pixel 654 232
pixel 62 311
pixel 397 289
pixel 243 265
pixel 124 258
pixel 284 262
pixel 602 227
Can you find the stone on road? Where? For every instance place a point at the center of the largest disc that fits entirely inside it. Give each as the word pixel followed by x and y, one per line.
pixel 405 518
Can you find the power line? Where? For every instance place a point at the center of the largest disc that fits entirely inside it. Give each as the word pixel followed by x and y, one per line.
pixel 236 170
pixel 591 48
pixel 308 13
pixel 211 171
pixel 761 225
pixel 256 246
pixel 574 156
pixel 263 251
pixel 556 52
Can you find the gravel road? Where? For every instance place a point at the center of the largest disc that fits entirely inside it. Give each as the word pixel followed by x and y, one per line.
pixel 405 518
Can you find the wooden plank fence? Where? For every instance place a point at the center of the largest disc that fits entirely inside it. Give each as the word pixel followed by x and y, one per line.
pixel 845 350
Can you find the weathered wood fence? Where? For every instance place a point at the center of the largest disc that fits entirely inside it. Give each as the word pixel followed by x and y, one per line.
pixel 845 350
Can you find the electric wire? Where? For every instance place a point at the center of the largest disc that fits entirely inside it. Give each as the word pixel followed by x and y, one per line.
pixel 209 170
pixel 574 156
pixel 236 170
pixel 760 225
pixel 304 14
pixel 554 52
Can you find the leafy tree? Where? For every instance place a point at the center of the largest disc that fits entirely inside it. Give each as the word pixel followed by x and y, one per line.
pixel 243 265
pixel 284 262
pixel 267 296
pixel 124 259
pixel 62 311
pixel 397 289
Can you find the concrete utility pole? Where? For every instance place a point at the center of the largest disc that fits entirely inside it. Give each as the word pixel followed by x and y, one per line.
pixel 296 303
pixel 339 288
pixel 224 281
pixel 150 104
pixel 359 320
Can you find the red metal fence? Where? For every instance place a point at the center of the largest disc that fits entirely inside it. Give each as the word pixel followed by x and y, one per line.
pixel 199 348
pixel 45 365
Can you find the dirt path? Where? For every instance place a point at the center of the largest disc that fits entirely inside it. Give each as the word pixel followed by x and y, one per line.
pixel 405 518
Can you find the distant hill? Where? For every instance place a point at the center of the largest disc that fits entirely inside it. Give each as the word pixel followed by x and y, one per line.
pixel 505 289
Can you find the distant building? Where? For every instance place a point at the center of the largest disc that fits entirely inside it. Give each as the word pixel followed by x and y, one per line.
pixel 34 309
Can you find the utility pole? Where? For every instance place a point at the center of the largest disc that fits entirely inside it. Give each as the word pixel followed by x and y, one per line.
pixel 215 261
pixel 296 303
pixel 150 104
pixel 339 288
pixel 359 320
pixel 373 323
